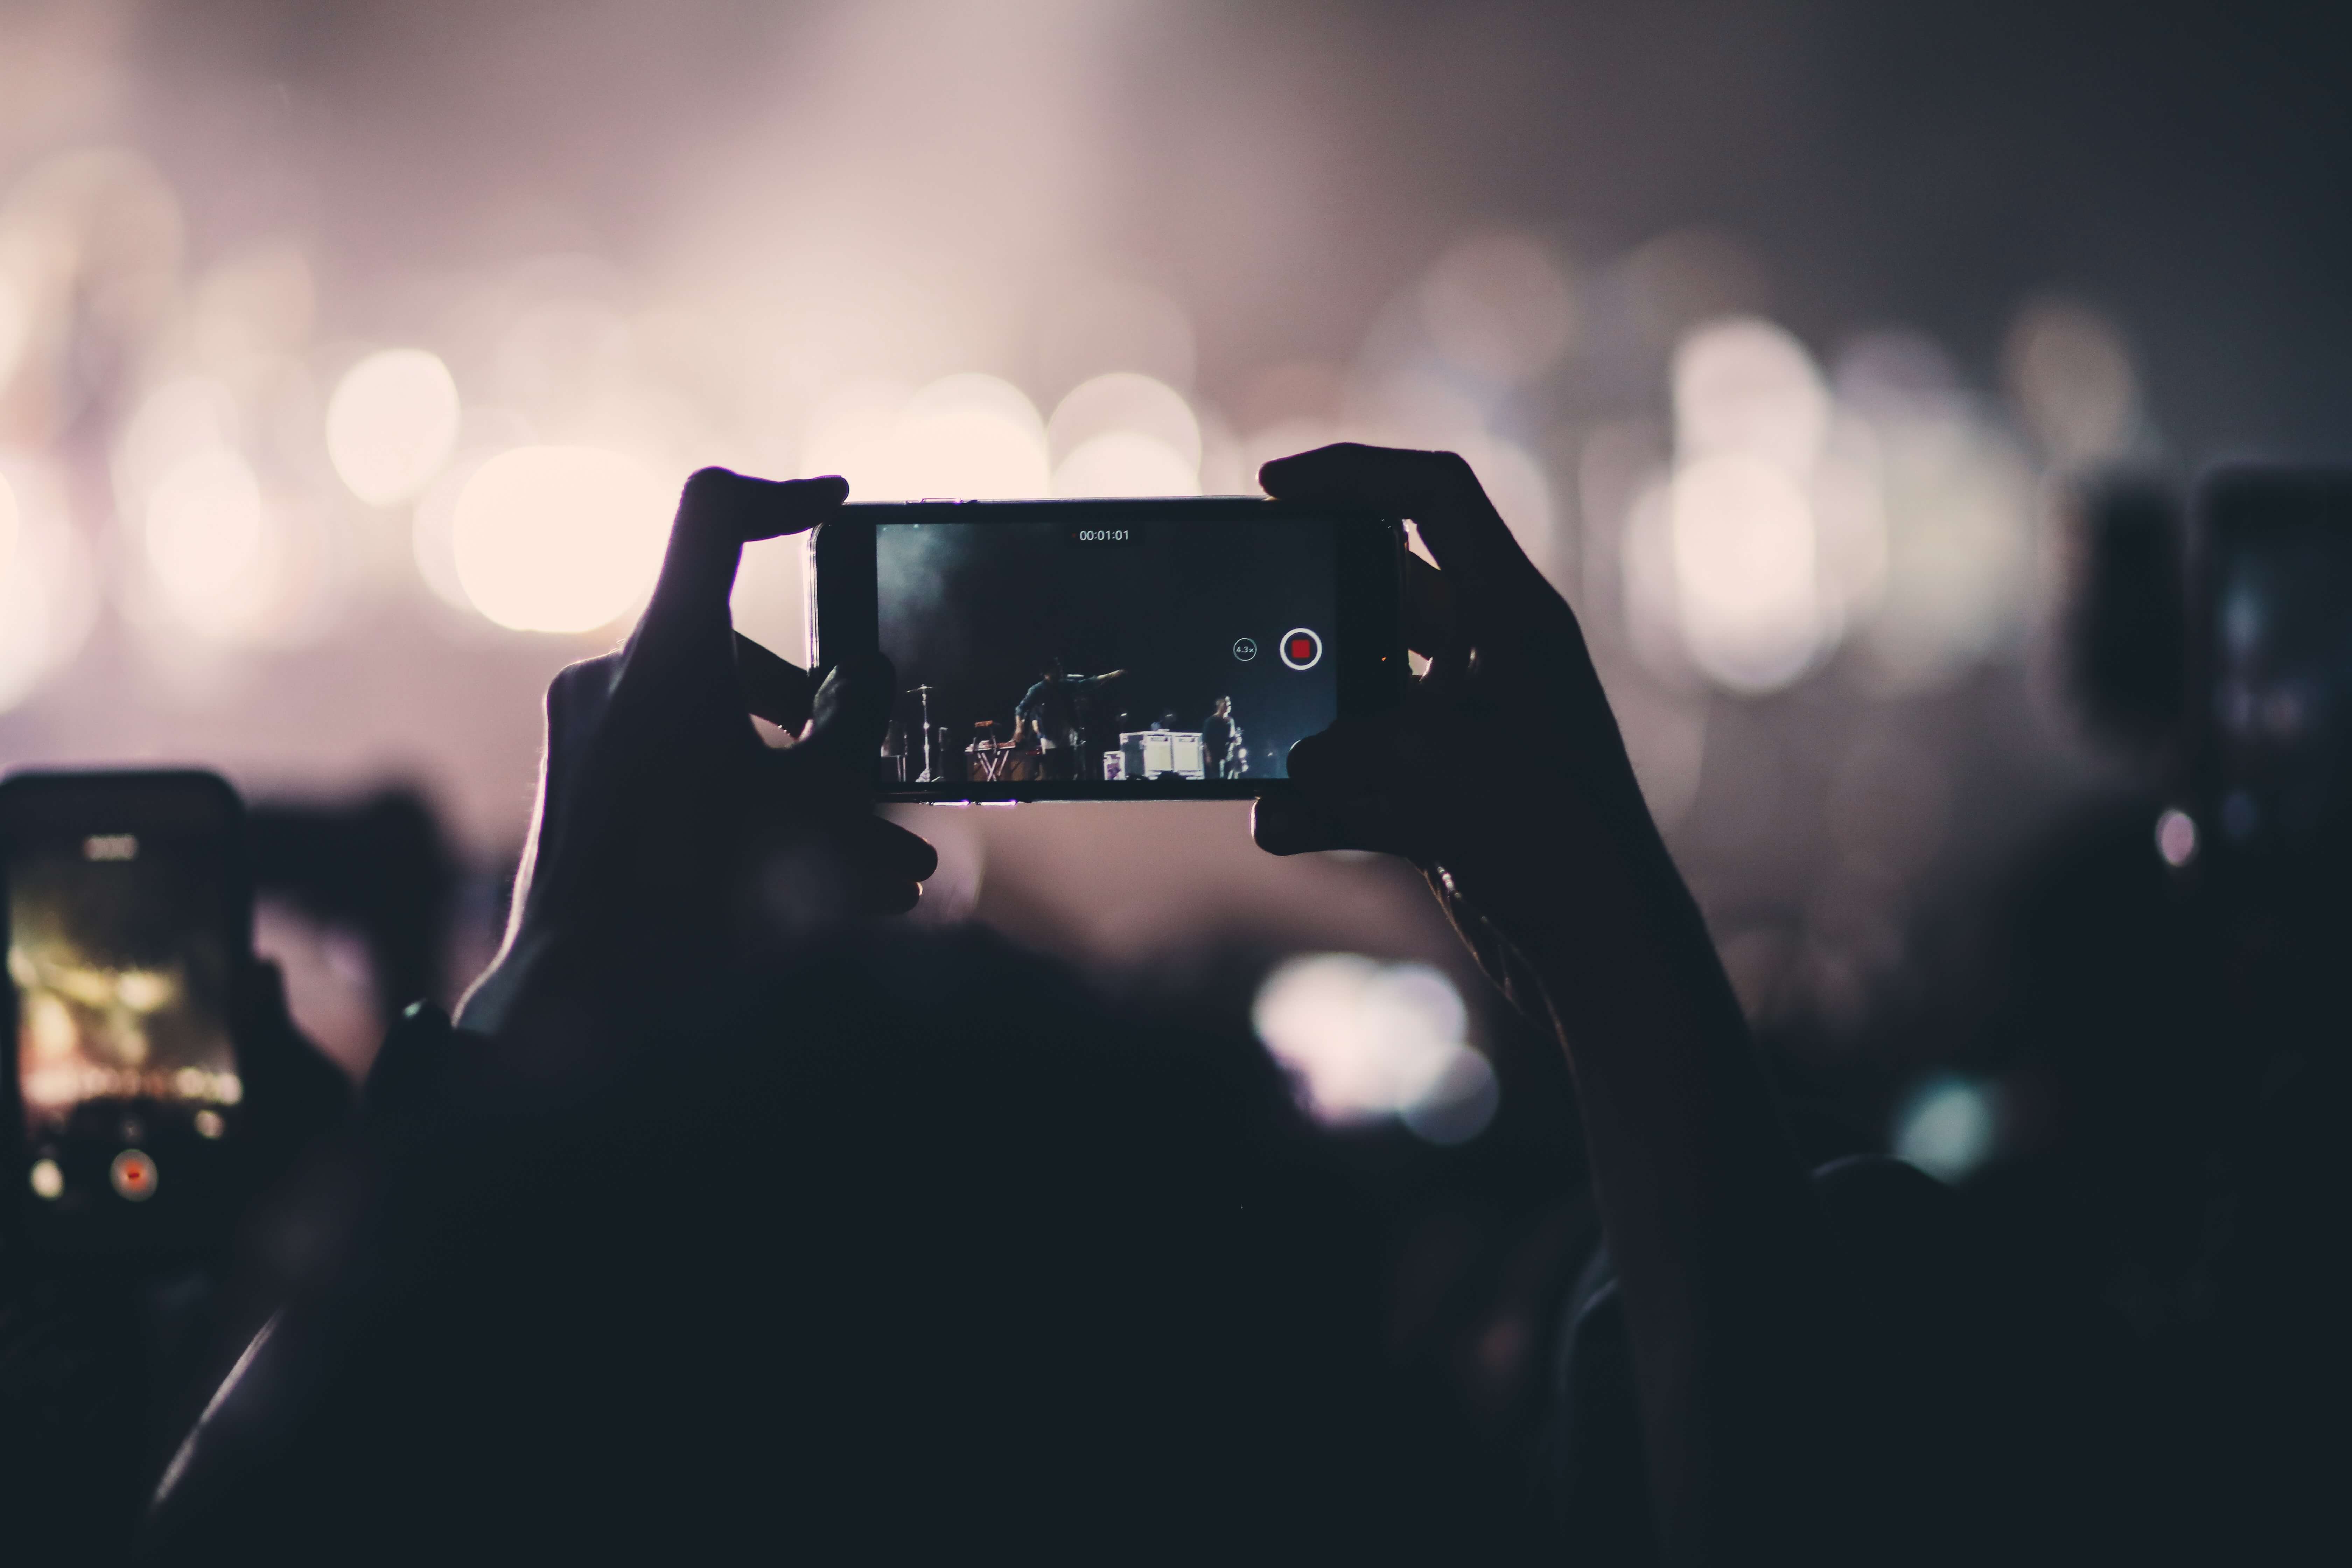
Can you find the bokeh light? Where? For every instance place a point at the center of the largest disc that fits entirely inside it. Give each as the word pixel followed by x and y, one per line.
pixel 1500 306
pixel 181 418
pixel 192 345
pixel 971 436
pixel 8 525
pixel 558 539
pixel 1124 402
pixel 1114 324
pixel 1363 1040
pixel 46 598
pixel 2071 374
pixel 2176 838
pixel 205 543
pixel 850 433
pixel 1959 577
pixel 1124 463
pixel 1748 562
pixel 1744 559
pixel 20 606
pixel 1746 385
pixel 1948 1127
pixel 392 424
pixel 203 525
pixel 968 437
pixel 15 325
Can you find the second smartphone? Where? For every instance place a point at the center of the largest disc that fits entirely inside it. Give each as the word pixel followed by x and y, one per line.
pixel 1109 649
pixel 126 908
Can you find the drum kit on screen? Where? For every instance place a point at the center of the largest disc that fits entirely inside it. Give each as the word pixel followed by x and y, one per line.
pixel 991 756
pixel 993 759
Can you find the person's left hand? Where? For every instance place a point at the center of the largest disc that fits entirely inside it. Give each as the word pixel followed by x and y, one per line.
pixel 669 837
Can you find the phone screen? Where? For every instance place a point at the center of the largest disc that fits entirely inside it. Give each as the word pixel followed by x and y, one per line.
pixel 119 954
pixel 1107 650
pixel 2281 661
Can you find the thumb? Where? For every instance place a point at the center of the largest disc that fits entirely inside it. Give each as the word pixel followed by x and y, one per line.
pixel 852 708
pixel 717 513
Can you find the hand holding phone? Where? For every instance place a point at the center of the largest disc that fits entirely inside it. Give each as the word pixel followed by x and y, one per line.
pixel 1113 649
pixel 2271 660
pixel 1503 772
pixel 129 919
pixel 666 833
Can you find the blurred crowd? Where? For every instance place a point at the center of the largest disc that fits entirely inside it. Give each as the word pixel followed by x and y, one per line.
pixel 1895 608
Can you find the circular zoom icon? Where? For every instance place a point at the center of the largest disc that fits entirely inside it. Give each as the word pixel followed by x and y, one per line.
pixel 1246 648
pixel 1301 649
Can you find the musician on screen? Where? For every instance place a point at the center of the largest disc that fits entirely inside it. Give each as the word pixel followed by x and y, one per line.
pixel 1057 711
pixel 1221 743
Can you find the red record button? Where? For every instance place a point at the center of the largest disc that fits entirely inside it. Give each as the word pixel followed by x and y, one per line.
pixel 133 1175
pixel 1301 649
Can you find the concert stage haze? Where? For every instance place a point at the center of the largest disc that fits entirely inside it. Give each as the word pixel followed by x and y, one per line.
pixel 1784 337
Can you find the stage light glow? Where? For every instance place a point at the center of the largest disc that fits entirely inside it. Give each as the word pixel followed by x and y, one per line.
pixel 2071 374
pixel 2176 838
pixel 1948 1128
pixel 8 526
pixel 1849 528
pixel 204 540
pixel 392 424
pixel 558 539
pixel 16 326
pixel 1110 324
pixel 1363 1040
pixel 1500 307
pixel 1958 579
pixel 1124 463
pixel 433 532
pixel 1745 385
pixel 963 437
pixel 1745 567
pixel 223 560
pixel 179 420
pixel 971 436
pixel 47 596
pixel 850 434
pixel 1125 403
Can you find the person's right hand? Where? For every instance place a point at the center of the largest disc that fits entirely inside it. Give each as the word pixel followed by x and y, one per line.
pixel 1505 778
pixel 1502 775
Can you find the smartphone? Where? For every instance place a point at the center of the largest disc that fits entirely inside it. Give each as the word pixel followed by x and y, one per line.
pixel 2273 646
pixel 128 907
pixel 1109 649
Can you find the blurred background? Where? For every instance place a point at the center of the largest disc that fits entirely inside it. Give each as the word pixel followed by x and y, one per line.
pixel 351 357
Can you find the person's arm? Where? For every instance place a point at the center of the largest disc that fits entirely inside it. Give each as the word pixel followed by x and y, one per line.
pixel 1556 878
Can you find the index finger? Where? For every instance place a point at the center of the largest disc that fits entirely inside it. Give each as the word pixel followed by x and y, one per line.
pixel 717 513
pixel 1435 490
